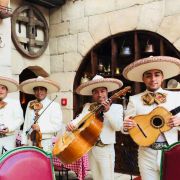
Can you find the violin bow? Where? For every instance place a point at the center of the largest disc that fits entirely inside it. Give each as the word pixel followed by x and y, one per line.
pixel 41 114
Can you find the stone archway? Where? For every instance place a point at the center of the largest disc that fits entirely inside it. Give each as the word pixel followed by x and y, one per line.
pixel 28 73
pixel 108 53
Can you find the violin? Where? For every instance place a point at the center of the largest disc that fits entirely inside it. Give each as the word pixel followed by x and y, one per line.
pixel 36 136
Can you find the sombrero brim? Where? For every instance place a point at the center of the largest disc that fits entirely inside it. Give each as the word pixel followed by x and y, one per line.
pixel 170 67
pixel 87 87
pixel 173 89
pixel 28 85
pixel 11 84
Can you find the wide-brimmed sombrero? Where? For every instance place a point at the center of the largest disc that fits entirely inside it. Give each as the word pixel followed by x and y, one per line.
pixel 98 81
pixel 28 85
pixel 11 84
pixel 173 85
pixel 170 67
pixel 174 89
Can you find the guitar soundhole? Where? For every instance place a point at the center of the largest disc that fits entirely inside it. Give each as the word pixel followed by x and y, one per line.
pixel 157 122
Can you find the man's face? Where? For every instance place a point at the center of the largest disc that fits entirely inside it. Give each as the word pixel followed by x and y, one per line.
pixel 3 92
pixel 153 79
pixel 100 94
pixel 40 93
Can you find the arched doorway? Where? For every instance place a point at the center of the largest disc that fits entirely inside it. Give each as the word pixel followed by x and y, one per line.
pixel 28 73
pixel 108 58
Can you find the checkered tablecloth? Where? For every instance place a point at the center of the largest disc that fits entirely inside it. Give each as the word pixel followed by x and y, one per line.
pixel 80 167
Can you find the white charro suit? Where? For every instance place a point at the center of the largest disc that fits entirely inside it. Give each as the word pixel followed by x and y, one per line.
pixel 50 122
pixel 149 159
pixel 12 117
pixel 102 158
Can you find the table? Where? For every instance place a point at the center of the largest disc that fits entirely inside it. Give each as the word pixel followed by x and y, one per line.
pixel 80 167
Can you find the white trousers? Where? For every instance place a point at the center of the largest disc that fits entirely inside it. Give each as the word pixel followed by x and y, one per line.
pixel 9 143
pixel 46 144
pixel 102 161
pixel 149 163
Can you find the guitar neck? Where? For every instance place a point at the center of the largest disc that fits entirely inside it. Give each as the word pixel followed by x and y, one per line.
pixel 175 111
pixel 100 107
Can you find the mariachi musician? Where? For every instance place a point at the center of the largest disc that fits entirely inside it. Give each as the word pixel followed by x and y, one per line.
pixel 11 114
pixel 43 117
pixel 152 71
pixel 102 155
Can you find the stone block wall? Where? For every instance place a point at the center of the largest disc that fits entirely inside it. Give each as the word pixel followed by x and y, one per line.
pixel 77 26
pixel 80 24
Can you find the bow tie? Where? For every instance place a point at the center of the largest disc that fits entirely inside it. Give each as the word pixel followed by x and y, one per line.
pixel 35 105
pixel 151 98
pixel 2 104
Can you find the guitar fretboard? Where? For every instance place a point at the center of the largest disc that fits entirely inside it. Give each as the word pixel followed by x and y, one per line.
pixel 175 111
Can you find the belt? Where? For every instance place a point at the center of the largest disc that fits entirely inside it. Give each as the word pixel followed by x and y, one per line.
pixel 99 143
pixel 47 135
pixel 158 145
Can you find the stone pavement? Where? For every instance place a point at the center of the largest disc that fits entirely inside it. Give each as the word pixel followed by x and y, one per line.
pixel 118 176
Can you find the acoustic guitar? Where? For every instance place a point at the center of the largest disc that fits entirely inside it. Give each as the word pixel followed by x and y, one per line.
pixel 73 145
pixel 150 126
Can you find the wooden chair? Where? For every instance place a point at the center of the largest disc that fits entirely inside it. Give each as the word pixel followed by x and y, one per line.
pixel 170 162
pixel 26 163
pixel 62 171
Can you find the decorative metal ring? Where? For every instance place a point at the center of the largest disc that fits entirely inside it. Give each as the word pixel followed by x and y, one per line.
pixel 33 20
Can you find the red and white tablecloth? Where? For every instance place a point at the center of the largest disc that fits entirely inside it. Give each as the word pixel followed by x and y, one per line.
pixel 80 167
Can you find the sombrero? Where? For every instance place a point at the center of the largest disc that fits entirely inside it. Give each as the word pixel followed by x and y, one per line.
pixel 11 84
pixel 170 67
pixel 173 85
pixel 175 88
pixel 98 81
pixel 28 85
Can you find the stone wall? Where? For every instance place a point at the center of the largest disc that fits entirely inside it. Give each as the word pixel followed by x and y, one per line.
pixel 12 63
pixel 77 26
pixel 20 62
pixel 5 51
pixel 80 24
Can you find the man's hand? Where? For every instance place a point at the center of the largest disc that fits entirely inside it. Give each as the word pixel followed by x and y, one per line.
pixel 174 121
pixel 128 124
pixel 106 106
pixel 70 126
